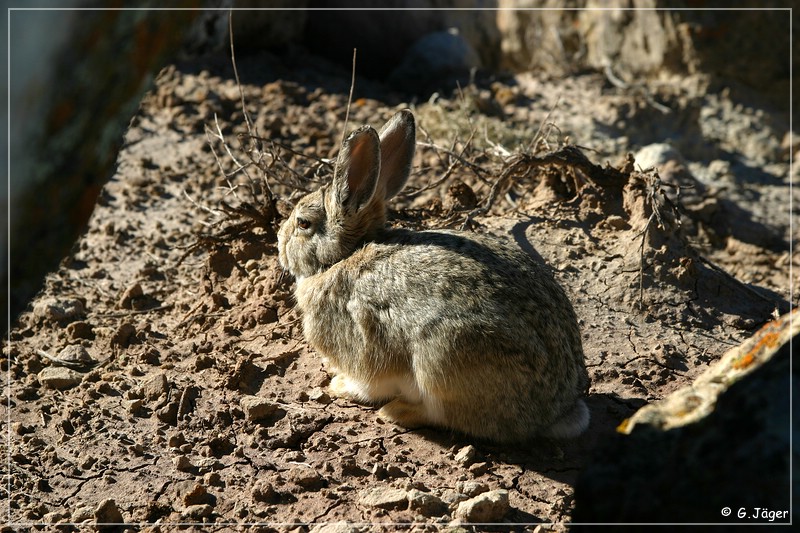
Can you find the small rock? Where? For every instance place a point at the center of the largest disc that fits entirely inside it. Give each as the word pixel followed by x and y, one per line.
pixel 656 155
pixel 267 315
pixel 453 497
pixel 80 330
pixel 616 222
pixel 471 488
pixel 208 463
pixel 336 527
pixel 133 292
pixel 294 456
pixel 82 514
pixel 485 508
pixel 155 387
pixel 150 355
pixel 54 517
pixel 168 414
pixel 203 361
pixel 221 445
pixel 384 498
pixel 468 455
pixel 182 463
pixel 58 310
pixel 264 492
pixel 133 406
pixel 176 440
pixel 212 478
pixel 136 449
pixel 124 335
pixel 107 514
pixel 66 426
pixel 196 512
pixel 305 477
pixel 256 409
pixel 320 396
pixel 60 378
pixel 76 354
pixel 425 503
pixel 478 469
pixel 27 394
pixel 21 429
pixel 192 493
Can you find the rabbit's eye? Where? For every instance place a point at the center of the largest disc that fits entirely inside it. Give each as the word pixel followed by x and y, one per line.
pixel 302 223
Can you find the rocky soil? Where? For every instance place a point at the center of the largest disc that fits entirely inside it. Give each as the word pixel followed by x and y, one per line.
pixel 161 376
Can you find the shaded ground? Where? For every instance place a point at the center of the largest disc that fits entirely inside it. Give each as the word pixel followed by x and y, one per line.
pixel 175 381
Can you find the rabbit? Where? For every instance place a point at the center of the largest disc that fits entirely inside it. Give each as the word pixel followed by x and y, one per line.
pixel 442 328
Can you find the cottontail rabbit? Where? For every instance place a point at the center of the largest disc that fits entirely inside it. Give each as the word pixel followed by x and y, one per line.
pixel 455 330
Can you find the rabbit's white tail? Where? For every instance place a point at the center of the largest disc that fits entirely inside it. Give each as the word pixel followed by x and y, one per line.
pixel 573 423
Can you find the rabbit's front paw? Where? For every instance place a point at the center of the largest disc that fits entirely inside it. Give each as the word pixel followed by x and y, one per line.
pixel 342 387
pixel 403 413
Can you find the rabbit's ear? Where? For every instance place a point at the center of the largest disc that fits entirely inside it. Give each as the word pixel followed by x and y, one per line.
pixel 357 169
pixel 398 140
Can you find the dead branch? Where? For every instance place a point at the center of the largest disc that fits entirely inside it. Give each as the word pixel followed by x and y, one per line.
pixel 569 156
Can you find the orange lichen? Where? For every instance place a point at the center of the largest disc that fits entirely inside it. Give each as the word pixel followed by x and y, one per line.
pixel 768 340
pixel 744 361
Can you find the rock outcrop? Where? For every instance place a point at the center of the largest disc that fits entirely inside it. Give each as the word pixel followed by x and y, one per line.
pixel 717 451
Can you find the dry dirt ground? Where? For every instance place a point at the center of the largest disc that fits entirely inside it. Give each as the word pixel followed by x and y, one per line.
pixel 161 376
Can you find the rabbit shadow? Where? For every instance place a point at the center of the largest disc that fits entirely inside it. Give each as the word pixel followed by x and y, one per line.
pixel 520 229
pixel 559 460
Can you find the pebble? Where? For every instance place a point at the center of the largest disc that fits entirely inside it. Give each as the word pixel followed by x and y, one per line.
pixel 182 463
pixel 155 387
pixel 452 498
pixel 174 440
pixel 305 477
pixel 467 455
pixel 195 512
pixel 320 396
pixel 264 492
pixel 656 155
pixel 82 514
pixel 80 330
pixel 256 408
pixel 133 406
pixel 58 310
pixel 191 493
pixel 56 377
pixel 132 293
pixel 425 503
pixel 478 469
pixel 384 498
pixel 21 429
pixel 108 513
pixel 488 507
pixel 616 222
pixel 123 335
pixel 336 527
pixel 54 517
pixel 212 478
pixel 471 488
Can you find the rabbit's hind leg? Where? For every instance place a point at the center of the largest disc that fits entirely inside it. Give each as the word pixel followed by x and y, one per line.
pixel 411 414
pixel 404 413
pixel 363 392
